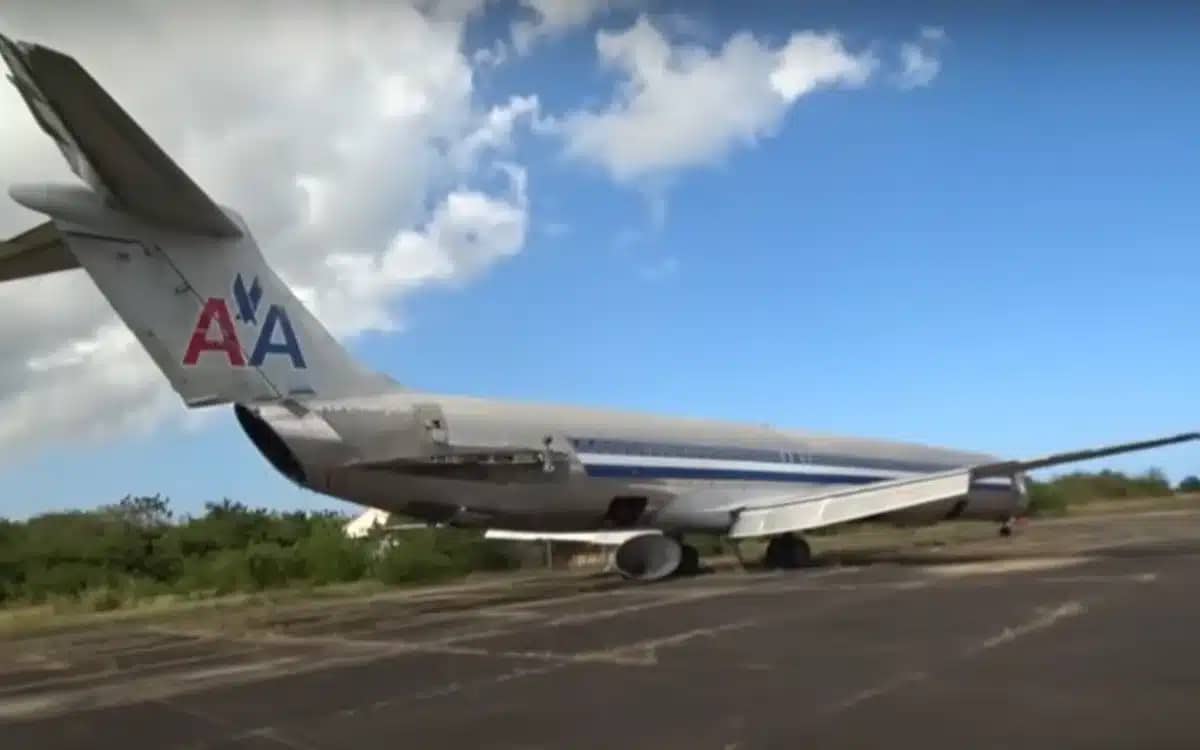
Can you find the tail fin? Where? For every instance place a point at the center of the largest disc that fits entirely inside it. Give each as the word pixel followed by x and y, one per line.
pixel 184 275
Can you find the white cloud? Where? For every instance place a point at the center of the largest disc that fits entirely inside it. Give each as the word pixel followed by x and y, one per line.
pixel 468 232
pixel 491 57
pixel 809 61
pixel 496 129
pixel 401 97
pixel 682 104
pixel 552 18
pixel 60 401
pixel 919 63
pixel 331 132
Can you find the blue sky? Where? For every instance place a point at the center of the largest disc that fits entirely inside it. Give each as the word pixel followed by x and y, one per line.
pixel 1002 259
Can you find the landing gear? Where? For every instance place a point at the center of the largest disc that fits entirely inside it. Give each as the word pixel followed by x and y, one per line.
pixel 737 552
pixel 689 562
pixel 787 551
pixel 1008 527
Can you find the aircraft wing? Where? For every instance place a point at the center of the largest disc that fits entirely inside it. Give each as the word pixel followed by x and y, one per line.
pixel 105 147
pixel 1008 468
pixel 780 513
pixel 35 252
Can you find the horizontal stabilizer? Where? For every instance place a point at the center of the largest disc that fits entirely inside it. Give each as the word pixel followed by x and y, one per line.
pixel 105 147
pixel 841 506
pixel 39 251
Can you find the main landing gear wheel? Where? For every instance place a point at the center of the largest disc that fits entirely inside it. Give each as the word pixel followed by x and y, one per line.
pixel 689 562
pixel 1008 527
pixel 787 551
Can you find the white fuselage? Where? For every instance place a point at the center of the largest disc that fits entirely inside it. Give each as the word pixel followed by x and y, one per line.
pixel 472 462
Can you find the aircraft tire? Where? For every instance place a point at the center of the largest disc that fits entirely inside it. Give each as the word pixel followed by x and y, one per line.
pixel 787 552
pixel 689 564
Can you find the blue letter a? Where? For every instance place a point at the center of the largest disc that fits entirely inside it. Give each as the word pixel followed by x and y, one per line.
pixel 276 315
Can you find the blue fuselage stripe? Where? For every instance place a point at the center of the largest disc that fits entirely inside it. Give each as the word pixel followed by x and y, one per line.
pixel 636 448
pixel 623 471
pixel 615 471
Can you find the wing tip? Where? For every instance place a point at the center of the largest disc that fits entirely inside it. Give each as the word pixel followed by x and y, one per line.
pixel 15 50
pixel 9 51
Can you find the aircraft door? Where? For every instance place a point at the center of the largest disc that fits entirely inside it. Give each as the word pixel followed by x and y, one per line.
pixel 432 422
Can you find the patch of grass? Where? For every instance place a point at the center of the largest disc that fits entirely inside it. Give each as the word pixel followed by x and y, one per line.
pixel 1136 505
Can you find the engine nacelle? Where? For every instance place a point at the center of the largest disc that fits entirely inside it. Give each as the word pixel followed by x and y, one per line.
pixel 993 499
pixel 296 444
pixel 648 557
pixel 996 499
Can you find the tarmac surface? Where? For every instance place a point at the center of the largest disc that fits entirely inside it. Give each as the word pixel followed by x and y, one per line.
pixel 1079 633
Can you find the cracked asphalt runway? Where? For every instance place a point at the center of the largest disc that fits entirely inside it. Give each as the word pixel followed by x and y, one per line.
pixel 1079 633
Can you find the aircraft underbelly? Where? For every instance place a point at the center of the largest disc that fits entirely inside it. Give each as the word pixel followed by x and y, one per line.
pixel 576 503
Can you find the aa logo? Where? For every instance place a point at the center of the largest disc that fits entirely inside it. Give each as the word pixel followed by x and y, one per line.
pixel 216 333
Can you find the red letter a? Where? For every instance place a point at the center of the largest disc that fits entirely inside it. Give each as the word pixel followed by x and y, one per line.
pixel 228 341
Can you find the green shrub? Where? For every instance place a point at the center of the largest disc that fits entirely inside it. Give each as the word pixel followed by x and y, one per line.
pixel 271 565
pixel 225 572
pixel 329 556
pixel 706 544
pixel 414 558
pixel 102 599
pixel 1189 484
pixel 62 579
pixel 468 550
pixel 1047 499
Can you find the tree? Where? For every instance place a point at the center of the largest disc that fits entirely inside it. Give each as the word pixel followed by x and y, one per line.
pixel 1189 484
pixel 137 548
pixel 149 512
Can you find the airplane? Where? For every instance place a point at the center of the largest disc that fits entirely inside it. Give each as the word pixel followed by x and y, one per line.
pixel 187 277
